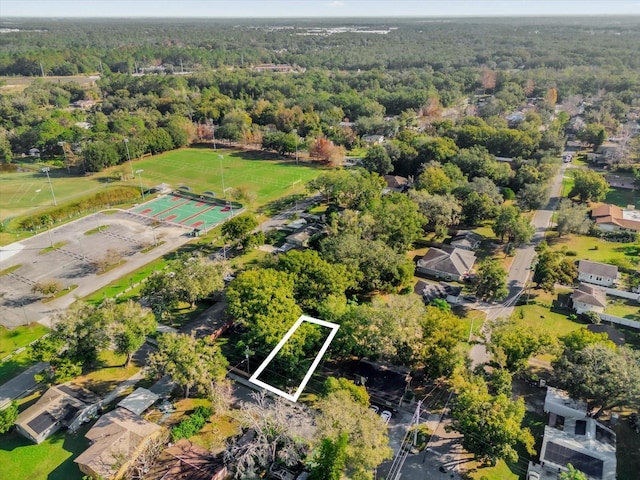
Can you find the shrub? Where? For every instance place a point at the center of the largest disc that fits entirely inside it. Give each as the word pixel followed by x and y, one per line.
pixel 571 253
pixel 192 425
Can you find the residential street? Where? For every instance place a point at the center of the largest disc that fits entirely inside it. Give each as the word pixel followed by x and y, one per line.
pixel 521 265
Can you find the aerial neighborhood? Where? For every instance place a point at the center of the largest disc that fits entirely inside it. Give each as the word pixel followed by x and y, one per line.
pixel 308 249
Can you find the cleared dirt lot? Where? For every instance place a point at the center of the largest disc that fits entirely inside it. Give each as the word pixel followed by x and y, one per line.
pixel 123 235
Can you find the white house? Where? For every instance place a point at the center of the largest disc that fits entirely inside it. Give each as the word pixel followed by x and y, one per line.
pixel 597 273
pixel 373 139
pixel 572 437
pixel 589 298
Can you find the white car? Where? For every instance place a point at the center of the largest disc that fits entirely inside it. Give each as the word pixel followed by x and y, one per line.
pixel 374 408
pixel 386 416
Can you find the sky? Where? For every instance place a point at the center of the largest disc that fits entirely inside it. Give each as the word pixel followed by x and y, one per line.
pixel 313 8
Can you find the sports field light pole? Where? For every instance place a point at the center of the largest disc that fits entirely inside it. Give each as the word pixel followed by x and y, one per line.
pixel 139 172
pixel 53 195
pixel 222 176
pixel 126 145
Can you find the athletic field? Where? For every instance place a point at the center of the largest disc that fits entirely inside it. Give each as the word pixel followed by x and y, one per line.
pixel 185 211
pixel 202 169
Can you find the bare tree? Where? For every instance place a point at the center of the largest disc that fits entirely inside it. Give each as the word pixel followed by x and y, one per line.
pixel 277 430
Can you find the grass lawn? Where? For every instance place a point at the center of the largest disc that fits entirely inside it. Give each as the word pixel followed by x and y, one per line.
pixel 623 197
pixel 109 373
pixel 51 460
pixel 266 176
pixel 621 307
pixel 11 340
pixel 215 433
pixel 544 318
pixel 594 249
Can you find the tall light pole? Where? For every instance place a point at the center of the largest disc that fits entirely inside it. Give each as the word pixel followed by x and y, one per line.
pixel 213 134
pixel 53 195
pixel 222 176
pixel 139 172
pixel 126 146
pixel 66 160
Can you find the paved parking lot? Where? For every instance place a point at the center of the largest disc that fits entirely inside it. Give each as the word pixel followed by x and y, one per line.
pixel 73 262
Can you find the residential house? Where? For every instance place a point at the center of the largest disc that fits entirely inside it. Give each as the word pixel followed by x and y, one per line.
pixel 34 152
pixel 185 460
pixel 466 240
pixel 597 273
pixel 447 263
pixel 303 236
pixel 270 67
pixel 117 438
pixel 589 298
pixel 516 118
pixel 617 181
pixel 611 217
pixel 396 183
pixel 572 437
pixel 373 139
pixel 386 384
pixel 61 406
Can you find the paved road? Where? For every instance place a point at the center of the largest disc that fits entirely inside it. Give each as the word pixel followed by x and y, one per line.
pixel 521 266
pixel 20 384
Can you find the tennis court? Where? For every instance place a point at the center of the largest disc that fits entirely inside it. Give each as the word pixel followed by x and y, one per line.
pixel 205 213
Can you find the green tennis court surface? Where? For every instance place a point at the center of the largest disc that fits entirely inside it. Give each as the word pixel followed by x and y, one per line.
pixel 184 211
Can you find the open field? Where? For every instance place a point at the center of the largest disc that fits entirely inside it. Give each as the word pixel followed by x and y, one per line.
pixel 592 248
pixel 623 197
pixel 201 169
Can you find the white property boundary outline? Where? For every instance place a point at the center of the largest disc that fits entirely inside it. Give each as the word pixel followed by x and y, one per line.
pixel 303 318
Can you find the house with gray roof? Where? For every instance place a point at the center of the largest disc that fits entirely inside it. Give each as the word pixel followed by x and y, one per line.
pixel 447 263
pixel 572 437
pixel 589 298
pixel 466 240
pixel 62 406
pixel 597 273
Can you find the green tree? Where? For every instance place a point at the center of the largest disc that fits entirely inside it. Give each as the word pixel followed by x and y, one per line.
pixel 553 267
pixel 513 342
pixel 189 361
pixel 572 218
pixel 588 186
pixel 376 265
pixel 130 324
pixel 238 228
pixel 581 338
pixel 100 155
pixel 491 283
pixel 315 279
pixel 442 331
pixel 602 376
pixel 491 425
pixel 368 443
pixel 355 189
pixel 398 222
pixel 8 417
pixel 440 211
pixel 330 459
pixel 594 134
pixel 377 160
pixel 511 224
pixel 533 196
pixel 435 181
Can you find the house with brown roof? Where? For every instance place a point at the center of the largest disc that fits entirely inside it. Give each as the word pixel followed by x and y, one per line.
pixel 589 298
pixel 597 273
pixel 117 438
pixel 396 183
pixel 611 217
pixel 447 263
pixel 62 406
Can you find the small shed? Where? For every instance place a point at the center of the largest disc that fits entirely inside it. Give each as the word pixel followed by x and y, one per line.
pixel 139 400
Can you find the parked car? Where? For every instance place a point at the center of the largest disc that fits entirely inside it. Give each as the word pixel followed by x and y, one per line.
pixel 375 408
pixel 386 416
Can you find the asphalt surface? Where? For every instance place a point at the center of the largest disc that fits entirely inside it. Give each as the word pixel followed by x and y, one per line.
pixel 521 266
pixel 70 264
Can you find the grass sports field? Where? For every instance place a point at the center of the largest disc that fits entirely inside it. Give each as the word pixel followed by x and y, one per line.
pixel 201 169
